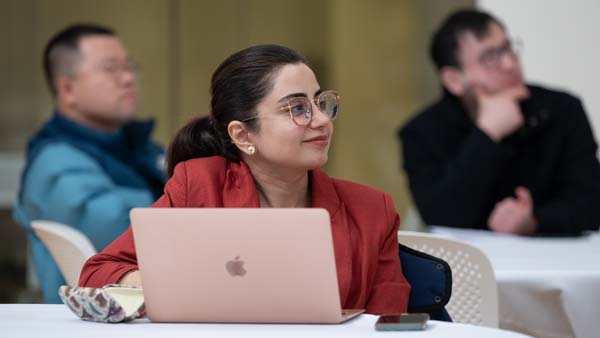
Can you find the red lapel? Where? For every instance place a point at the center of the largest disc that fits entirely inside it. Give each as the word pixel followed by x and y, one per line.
pixel 239 190
pixel 325 196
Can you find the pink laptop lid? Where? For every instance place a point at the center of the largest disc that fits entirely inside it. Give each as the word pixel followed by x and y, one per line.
pixel 237 265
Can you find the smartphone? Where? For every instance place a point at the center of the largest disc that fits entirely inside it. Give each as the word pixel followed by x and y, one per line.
pixel 402 322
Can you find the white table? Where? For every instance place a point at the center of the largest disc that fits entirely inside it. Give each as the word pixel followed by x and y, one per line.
pixel 39 320
pixel 547 287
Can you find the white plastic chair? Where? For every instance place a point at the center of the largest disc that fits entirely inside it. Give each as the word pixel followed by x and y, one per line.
pixel 474 297
pixel 69 247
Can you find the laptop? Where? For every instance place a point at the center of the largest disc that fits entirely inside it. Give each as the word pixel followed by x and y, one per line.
pixel 244 265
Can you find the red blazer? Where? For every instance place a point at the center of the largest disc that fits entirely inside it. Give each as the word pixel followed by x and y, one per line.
pixel 364 224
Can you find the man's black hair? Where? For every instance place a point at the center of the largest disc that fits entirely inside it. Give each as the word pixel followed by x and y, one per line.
pixel 444 45
pixel 61 51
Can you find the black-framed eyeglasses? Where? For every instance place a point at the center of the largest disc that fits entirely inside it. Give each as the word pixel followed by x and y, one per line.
pixel 492 57
pixel 300 108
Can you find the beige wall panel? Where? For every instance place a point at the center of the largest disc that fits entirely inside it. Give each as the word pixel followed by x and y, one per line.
pixel 374 74
pixel 207 33
pixel 17 66
pixel 211 31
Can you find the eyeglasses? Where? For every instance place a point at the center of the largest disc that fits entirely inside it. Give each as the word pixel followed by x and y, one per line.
pixel 300 108
pixel 492 57
pixel 116 69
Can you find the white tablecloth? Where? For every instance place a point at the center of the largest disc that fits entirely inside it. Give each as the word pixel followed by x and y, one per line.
pixel 38 320
pixel 547 287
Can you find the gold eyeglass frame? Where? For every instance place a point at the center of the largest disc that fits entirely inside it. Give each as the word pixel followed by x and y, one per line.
pixel 288 107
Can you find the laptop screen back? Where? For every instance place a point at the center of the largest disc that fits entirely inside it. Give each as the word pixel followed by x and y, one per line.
pixel 237 265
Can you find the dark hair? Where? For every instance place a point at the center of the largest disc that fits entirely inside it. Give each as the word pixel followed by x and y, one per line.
pixel 61 50
pixel 237 86
pixel 444 45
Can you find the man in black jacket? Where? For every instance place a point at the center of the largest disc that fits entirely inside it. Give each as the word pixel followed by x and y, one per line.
pixel 493 152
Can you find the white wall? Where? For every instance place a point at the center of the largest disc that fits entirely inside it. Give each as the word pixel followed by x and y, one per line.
pixel 561 44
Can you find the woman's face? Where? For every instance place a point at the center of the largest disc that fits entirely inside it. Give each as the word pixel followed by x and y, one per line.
pixel 281 142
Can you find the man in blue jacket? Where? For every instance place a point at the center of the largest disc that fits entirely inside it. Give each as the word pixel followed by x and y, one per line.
pixel 91 162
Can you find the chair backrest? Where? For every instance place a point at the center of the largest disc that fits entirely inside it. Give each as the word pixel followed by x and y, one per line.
pixel 69 247
pixel 474 292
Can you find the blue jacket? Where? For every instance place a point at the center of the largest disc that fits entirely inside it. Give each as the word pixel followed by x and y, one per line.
pixel 89 180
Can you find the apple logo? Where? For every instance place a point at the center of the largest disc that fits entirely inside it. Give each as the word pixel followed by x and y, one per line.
pixel 236 267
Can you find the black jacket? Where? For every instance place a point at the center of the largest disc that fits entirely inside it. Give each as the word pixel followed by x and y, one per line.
pixel 457 173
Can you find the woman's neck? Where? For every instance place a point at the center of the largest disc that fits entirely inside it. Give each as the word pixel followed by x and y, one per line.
pixel 281 188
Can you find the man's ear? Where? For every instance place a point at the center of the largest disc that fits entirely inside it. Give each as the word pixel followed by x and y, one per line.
pixel 65 90
pixel 240 136
pixel 453 80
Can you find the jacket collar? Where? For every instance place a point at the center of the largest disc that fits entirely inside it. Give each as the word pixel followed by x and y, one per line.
pixel 240 192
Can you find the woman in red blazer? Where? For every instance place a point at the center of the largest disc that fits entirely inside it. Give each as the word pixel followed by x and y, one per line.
pixel 262 147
